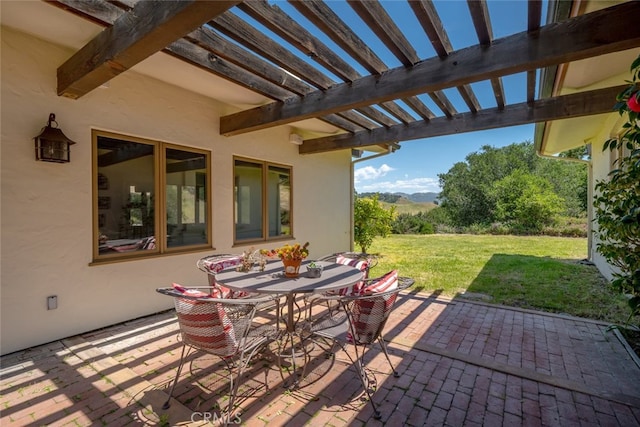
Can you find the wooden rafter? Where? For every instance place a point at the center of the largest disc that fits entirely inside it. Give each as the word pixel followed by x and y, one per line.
pixel 341 34
pixel 533 23
pixel 428 17
pixel 228 60
pixel 284 26
pixel 227 45
pixel 248 36
pixel 321 15
pixel 374 15
pixel 482 23
pixel 605 31
pixel 563 107
pixel 134 36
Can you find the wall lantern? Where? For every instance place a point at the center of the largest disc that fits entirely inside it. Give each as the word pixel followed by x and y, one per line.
pixel 52 145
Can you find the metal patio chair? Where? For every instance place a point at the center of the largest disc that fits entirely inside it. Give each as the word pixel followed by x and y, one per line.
pixel 361 321
pixel 224 327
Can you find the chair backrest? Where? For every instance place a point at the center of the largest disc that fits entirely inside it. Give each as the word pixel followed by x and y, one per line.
pixel 369 312
pixel 354 259
pixel 363 262
pixel 215 325
pixel 214 264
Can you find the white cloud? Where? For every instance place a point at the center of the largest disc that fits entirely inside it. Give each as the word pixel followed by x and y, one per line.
pixel 415 185
pixel 369 172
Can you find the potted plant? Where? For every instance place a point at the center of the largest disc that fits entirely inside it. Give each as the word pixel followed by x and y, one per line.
pixel 314 269
pixel 291 256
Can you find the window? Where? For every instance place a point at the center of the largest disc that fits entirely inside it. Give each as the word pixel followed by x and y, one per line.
pixel 262 200
pixel 149 197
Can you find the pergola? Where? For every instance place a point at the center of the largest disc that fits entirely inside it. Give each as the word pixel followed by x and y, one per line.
pixel 377 109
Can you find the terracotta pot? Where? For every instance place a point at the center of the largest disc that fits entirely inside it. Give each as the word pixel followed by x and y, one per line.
pixel 291 267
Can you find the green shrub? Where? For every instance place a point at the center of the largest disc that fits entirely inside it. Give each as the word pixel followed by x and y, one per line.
pixel 526 202
pixel 370 220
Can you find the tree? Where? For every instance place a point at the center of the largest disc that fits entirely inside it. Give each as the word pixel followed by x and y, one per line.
pixel 526 201
pixel 370 220
pixel 569 181
pixel 466 186
pixel 617 204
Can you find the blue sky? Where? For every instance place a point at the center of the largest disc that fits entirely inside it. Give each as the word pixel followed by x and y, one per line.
pixel 415 167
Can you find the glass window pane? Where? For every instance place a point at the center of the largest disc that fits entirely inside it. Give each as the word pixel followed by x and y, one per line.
pixel 125 188
pixel 186 198
pixel 248 200
pixel 279 194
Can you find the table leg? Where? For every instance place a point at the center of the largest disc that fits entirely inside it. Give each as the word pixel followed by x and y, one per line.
pixel 292 346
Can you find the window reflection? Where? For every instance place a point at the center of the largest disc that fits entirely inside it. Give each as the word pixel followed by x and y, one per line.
pixel 186 199
pixel 262 200
pixel 130 216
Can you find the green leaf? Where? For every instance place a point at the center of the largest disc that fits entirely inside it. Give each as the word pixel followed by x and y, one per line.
pixel 635 64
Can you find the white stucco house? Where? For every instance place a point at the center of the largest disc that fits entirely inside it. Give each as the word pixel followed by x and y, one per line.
pixel 188 146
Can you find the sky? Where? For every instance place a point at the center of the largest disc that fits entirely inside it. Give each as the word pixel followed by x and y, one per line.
pixel 415 166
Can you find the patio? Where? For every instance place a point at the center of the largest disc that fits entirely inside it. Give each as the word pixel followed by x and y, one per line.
pixel 461 363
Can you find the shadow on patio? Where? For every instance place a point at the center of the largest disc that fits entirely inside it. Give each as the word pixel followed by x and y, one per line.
pixel 461 363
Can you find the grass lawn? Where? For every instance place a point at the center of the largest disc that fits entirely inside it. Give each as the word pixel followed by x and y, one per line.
pixel 533 272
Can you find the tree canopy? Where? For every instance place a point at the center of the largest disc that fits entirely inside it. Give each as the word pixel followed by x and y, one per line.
pixel 510 183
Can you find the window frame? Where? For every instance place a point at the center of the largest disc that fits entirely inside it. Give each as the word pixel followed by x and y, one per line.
pixel 160 199
pixel 265 165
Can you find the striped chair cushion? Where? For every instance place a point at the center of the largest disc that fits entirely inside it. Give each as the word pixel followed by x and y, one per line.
pixel 369 314
pixel 216 265
pixel 205 324
pixel 360 264
pixel 388 282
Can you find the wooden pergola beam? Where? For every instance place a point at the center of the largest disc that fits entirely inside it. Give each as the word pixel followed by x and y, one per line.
pixel 608 30
pixel 562 107
pixel 148 28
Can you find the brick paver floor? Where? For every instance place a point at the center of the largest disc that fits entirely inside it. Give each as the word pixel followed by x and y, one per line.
pixel 461 363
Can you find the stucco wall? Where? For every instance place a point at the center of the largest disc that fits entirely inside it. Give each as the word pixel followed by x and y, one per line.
pixel 601 162
pixel 46 224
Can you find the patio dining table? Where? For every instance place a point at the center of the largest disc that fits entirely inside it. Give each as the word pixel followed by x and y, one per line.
pixel 273 281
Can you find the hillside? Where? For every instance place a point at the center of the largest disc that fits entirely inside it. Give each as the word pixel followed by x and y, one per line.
pixel 395 197
pixel 403 205
pixel 406 203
